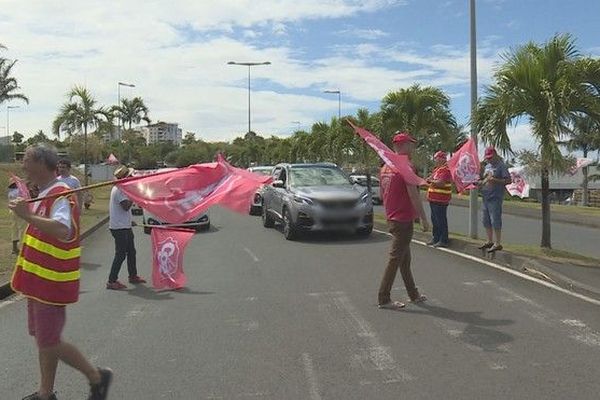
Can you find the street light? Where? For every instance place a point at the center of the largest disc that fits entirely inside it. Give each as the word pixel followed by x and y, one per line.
pixel 8 108
pixel 131 85
pixel 249 64
pixel 473 193
pixel 339 101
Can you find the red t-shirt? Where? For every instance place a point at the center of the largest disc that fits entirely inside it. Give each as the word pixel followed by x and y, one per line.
pixel 398 206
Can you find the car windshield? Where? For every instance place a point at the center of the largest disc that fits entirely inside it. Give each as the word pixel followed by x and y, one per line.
pixel 317 176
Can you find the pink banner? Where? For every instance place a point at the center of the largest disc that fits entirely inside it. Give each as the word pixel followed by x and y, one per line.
pixel 580 163
pixel 397 162
pixel 21 186
pixel 180 195
pixel 112 160
pixel 464 166
pixel 168 246
pixel 519 186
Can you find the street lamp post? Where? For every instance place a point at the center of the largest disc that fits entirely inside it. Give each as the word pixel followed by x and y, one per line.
pixel 119 99
pixel 339 93
pixel 249 64
pixel 473 193
pixel 8 108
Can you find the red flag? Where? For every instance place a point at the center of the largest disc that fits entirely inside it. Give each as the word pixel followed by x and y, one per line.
pixel 168 246
pixel 21 186
pixel 464 166
pixel 397 162
pixel 180 195
pixel 112 160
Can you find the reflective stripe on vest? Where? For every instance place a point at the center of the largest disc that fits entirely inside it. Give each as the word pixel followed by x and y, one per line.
pixel 46 273
pixel 51 250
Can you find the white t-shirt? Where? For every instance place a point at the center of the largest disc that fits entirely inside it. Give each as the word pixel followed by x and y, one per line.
pixel 119 218
pixel 71 181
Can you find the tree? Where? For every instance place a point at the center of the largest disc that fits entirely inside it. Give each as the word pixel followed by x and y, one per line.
pixel 39 137
pixel 8 84
pixel 189 138
pixel 78 115
pixel 17 138
pixel 548 84
pixel 131 111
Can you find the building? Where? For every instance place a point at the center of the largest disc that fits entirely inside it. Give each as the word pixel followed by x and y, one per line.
pixel 162 132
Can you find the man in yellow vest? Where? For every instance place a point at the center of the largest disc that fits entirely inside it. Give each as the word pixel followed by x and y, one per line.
pixel 439 194
pixel 47 272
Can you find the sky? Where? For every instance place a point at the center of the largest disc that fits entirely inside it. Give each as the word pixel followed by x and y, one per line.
pixel 176 54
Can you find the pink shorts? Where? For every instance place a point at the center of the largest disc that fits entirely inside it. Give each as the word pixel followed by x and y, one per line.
pixel 45 322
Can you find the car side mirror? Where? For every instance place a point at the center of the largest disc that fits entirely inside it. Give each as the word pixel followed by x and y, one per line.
pixel 278 184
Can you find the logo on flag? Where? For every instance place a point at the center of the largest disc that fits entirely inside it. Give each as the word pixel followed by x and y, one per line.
pixel 519 186
pixel 168 247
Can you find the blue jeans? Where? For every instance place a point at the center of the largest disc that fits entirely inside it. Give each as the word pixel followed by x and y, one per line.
pixel 124 248
pixel 492 213
pixel 439 222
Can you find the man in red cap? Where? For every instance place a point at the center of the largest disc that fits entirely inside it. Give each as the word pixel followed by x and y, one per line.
pixel 439 194
pixel 495 178
pixel 403 205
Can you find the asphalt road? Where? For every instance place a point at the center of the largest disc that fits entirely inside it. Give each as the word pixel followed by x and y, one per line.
pixel 264 318
pixel 528 231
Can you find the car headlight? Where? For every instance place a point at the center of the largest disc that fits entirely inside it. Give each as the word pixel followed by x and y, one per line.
pixel 303 200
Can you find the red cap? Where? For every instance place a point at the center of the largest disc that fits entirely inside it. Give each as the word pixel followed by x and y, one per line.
pixel 403 137
pixel 490 152
pixel 440 155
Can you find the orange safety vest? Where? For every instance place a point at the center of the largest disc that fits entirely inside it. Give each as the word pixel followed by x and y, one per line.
pixel 47 269
pixel 440 195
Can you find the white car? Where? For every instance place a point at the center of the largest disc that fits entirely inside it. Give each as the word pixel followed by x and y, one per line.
pixel 257 199
pixel 200 223
pixel 361 180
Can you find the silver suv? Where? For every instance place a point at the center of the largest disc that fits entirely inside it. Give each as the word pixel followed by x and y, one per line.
pixel 315 197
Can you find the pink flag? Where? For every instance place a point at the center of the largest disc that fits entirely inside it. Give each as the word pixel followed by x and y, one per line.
pixel 397 162
pixel 180 195
pixel 518 186
pixel 580 163
pixel 464 166
pixel 21 186
pixel 112 160
pixel 168 246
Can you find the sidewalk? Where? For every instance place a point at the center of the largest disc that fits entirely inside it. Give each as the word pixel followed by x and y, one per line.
pixel 592 221
pixel 5 289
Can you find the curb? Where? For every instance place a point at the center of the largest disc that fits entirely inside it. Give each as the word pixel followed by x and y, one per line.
pixel 533 267
pixel 5 289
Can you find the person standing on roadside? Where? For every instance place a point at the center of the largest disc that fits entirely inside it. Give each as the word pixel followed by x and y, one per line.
pixel 120 224
pixel 495 178
pixel 64 174
pixel 402 203
pixel 439 194
pixel 47 273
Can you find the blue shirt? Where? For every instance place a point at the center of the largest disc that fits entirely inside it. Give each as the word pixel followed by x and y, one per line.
pixel 498 170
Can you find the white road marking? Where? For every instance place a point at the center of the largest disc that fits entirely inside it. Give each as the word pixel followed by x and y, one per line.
pixel 508 270
pixel 251 254
pixel 311 376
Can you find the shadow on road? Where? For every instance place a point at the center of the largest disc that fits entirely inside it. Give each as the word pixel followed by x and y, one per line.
pixel 477 332
pixel 90 266
pixel 148 293
pixel 336 238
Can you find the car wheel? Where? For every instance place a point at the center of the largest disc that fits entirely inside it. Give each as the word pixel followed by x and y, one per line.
pixel 364 232
pixel 289 230
pixel 255 210
pixel 267 219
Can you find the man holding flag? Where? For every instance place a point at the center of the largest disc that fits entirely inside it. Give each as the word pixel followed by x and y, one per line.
pixel 439 194
pixel 403 205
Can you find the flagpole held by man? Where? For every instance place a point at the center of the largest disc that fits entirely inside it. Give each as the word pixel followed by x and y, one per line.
pixel 47 273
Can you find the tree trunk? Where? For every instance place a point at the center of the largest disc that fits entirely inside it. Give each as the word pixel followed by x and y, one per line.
pixel 546 241
pixel 584 184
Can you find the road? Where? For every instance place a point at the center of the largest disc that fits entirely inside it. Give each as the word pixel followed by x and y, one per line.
pixel 527 231
pixel 264 318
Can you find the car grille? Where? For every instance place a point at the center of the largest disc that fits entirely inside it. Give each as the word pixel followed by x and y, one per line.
pixel 338 204
pixel 339 221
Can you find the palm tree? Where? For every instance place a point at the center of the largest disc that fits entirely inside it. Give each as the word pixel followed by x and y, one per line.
pixel 78 115
pixel 585 137
pixel 547 84
pixel 8 84
pixel 132 111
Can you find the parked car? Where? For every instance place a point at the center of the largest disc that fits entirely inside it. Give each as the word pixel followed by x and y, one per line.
pixel 316 197
pixel 200 223
pixel 361 180
pixel 256 206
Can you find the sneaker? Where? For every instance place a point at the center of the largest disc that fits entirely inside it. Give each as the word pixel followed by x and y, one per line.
pixel 430 243
pixel 99 391
pixel 496 247
pixel 116 285
pixel 440 244
pixel 136 279
pixel 36 396
pixel 486 246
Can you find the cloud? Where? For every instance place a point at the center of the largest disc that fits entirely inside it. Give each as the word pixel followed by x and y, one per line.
pixel 366 34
